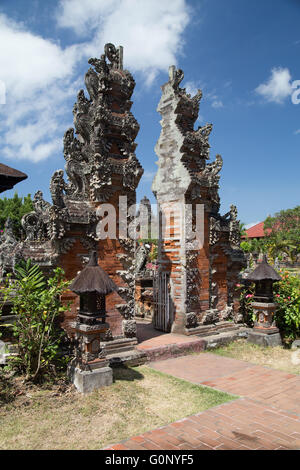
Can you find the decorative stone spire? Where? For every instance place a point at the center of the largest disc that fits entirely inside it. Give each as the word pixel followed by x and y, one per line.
pixel 101 166
pixel 105 129
pixel 199 290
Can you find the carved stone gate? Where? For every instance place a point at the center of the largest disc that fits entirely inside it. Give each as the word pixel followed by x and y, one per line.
pixel 163 312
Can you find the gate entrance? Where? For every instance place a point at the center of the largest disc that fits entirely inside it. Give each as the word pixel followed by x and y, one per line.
pixel 163 312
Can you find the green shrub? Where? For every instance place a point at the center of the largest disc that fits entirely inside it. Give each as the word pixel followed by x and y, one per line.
pixel 36 302
pixel 246 294
pixel 287 297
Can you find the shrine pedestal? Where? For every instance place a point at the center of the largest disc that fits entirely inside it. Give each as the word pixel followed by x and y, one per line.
pixel 265 332
pixel 90 370
pixel 92 376
pixel 262 338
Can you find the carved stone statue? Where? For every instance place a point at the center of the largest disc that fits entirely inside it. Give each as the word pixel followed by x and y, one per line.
pixel 57 188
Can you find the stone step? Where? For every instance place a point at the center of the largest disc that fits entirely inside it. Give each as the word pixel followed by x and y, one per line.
pixel 214 329
pixel 119 345
pixel 128 358
pixel 118 350
pixel 167 351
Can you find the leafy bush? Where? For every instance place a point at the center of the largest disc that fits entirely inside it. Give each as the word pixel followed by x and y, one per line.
pixel 246 294
pixel 14 208
pixel 287 297
pixel 36 302
pixel 283 233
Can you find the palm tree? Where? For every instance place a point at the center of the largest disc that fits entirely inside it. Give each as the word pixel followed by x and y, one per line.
pixel 242 228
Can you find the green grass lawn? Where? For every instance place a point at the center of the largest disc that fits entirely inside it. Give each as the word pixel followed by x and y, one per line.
pixel 140 399
pixel 276 357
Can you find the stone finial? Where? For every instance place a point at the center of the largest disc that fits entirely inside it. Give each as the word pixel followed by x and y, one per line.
pixel 172 70
pixel 175 77
pixel 114 55
pixel 120 48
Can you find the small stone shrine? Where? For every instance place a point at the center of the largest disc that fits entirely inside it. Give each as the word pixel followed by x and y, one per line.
pixel 91 368
pixel 195 289
pixel 265 332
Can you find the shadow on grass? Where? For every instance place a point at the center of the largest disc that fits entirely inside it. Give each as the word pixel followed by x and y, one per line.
pixel 122 372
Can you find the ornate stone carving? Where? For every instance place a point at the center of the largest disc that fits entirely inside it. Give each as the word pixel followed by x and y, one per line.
pixel 114 55
pixel 191 320
pixel 227 313
pixel 76 167
pixel 129 328
pixel 40 205
pixel 8 237
pixel 9 249
pixel 176 78
pixel 185 175
pixel 210 316
pixel 141 256
pixel 57 188
pixel 214 230
pixel 234 229
pixel 100 165
pixel 66 244
pixel 33 226
pixel 91 80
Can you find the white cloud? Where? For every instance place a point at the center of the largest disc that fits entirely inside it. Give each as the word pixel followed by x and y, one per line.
pixel 278 87
pixel 297 131
pixel 85 16
pixel 37 74
pixel 29 62
pixel 150 31
pixel 40 76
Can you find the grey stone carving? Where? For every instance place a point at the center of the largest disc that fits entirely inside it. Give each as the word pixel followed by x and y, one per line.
pixel 191 320
pixel 100 164
pixel 129 328
pixel 185 176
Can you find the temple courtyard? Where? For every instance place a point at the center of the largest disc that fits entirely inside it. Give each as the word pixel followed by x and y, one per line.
pixel 263 415
pixel 136 326
pixel 197 401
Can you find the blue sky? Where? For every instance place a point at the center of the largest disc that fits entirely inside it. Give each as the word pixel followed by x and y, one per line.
pixel 243 55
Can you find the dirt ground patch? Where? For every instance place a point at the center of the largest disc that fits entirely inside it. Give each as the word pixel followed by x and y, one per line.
pixel 140 399
pixel 276 358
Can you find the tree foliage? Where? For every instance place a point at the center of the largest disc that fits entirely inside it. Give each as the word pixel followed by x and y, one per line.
pixel 287 297
pixel 15 208
pixel 254 245
pixel 283 233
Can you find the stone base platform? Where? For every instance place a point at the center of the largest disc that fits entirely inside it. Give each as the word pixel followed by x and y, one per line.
pixel 87 379
pixel 264 339
pixel 155 345
pixel 118 345
pixel 213 329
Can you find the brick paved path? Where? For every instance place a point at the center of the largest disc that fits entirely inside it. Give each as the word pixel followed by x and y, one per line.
pixel 266 417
